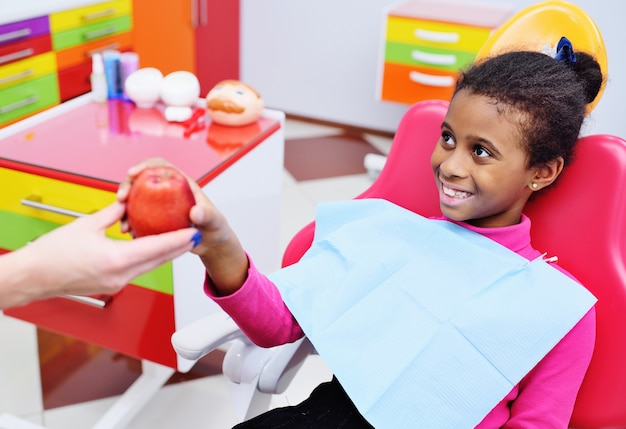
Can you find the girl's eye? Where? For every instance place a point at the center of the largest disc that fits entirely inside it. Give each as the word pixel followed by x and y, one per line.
pixel 447 139
pixel 481 152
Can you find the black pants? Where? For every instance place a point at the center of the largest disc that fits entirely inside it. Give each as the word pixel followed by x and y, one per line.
pixel 328 407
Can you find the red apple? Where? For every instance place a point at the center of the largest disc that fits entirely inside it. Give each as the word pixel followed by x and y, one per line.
pixel 159 201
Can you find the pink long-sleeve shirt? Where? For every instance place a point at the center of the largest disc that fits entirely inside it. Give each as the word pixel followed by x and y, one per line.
pixel 544 398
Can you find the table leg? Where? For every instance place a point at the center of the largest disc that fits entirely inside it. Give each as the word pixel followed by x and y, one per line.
pixel 152 378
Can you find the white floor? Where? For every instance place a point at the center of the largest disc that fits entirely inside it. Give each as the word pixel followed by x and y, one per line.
pixel 201 403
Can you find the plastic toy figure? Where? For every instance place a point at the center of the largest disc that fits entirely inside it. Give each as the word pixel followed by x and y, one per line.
pixel 234 103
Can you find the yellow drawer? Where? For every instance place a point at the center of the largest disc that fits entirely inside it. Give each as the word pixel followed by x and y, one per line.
pixel 52 200
pixel 73 18
pixel 30 68
pixel 436 34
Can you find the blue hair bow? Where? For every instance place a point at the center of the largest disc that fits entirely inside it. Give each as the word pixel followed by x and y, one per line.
pixel 565 52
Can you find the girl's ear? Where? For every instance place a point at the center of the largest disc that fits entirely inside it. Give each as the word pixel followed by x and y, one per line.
pixel 546 174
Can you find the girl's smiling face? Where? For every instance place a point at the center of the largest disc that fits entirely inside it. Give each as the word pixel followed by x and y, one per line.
pixel 480 164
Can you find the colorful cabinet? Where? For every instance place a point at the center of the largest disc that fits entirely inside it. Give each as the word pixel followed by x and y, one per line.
pixel 427 42
pixel 28 80
pixel 46 59
pixel 202 37
pixel 77 33
pixel 68 161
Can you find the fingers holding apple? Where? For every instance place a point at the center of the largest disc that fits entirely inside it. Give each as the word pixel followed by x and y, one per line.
pixel 158 199
pixel 134 171
pixel 202 214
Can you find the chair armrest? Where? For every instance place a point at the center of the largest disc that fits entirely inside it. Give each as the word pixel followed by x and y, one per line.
pixel 275 367
pixel 204 335
pixel 270 369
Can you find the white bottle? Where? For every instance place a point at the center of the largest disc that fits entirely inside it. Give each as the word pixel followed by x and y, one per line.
pixel 98 79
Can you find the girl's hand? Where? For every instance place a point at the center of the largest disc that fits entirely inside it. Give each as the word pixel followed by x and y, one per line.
pixel 220 250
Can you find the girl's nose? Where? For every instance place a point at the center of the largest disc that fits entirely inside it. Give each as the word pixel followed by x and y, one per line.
pixel 455 165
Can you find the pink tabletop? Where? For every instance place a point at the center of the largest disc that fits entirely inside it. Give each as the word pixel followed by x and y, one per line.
pixel 95 144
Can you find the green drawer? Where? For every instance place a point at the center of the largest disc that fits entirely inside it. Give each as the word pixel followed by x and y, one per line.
pixel 76 36
pixel 28 97
pixel 18 230
pixel 449 60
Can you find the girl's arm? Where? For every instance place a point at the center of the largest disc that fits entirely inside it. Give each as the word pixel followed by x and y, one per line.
pixel 250 298
pixel 259 310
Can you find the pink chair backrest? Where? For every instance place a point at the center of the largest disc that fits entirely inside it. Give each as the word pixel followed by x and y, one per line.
pixel 406 179
pixel 582 220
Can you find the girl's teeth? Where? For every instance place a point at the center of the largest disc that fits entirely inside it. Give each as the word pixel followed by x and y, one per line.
pixel 455 194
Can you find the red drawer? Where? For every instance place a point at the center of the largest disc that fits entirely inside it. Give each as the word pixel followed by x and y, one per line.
pixel 74 81
pixel 137 322
pixel 24 49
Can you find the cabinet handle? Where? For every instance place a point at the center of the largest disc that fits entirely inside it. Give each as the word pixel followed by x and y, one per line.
pixel 430 80
pixel 34 201
pixel 204 9
pixel 98 15
pixel 436 36
pixel 16 55
pixel 111 46
pixel 100 33
pixel 12 35
pixel 194 13
pixel 25 102
pixel 433 59
pixel 90 300
pixel 22 75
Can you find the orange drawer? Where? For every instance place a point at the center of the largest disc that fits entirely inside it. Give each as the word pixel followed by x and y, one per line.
pixel 410 84
pixel 82 53
pixel 137 322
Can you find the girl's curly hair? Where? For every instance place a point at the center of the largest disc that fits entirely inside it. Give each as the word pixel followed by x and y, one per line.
pixel 551 95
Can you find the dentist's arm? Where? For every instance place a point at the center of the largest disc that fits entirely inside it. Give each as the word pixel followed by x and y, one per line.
pixel 79 259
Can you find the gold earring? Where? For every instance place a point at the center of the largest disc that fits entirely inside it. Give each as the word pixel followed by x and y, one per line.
pixel 535 186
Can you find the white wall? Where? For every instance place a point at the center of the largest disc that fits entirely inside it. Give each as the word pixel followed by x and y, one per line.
pixel 320 59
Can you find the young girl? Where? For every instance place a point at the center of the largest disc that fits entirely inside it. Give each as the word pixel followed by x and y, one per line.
pixel 510 130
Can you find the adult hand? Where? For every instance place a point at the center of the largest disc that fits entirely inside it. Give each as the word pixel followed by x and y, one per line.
pixel 78 258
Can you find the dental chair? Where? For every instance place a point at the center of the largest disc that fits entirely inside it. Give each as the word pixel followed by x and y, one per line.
pixel 582 220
